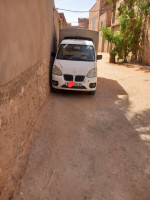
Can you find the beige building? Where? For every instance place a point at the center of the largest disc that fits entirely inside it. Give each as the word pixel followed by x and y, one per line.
pixel 145 56
pixel 100 16
pixel 63 22
pixel 83 23
pixel 94 15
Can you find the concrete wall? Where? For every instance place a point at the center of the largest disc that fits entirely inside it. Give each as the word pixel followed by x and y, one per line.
pixel 27 37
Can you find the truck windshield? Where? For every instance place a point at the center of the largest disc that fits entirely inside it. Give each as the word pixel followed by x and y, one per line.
pixel 76 52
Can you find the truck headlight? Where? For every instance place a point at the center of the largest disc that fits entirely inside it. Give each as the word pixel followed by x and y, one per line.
pixel 56 71
pixel 92 73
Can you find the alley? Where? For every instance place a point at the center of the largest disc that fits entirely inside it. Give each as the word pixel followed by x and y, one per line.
pixel 93 147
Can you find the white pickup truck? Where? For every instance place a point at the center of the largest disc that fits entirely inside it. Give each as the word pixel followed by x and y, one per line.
pixel 75 65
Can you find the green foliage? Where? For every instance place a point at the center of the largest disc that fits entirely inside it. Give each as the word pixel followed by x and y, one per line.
pixel 131 14
pixel 116 39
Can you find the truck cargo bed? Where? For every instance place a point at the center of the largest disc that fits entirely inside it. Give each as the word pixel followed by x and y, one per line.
pixel 75 33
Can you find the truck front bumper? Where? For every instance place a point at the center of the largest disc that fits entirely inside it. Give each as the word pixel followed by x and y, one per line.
pixel 89 84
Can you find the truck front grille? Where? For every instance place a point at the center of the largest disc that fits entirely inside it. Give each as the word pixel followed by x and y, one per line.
pixel 79 78
pixel 68 77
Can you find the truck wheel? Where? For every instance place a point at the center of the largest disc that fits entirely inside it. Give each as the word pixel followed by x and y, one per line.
pixel 53 90
pixel 92 92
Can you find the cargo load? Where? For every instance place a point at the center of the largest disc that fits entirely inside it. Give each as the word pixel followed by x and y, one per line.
pixel 76 33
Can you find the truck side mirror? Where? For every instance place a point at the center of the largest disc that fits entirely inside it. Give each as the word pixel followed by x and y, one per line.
pixel 99 57
pixel 53 54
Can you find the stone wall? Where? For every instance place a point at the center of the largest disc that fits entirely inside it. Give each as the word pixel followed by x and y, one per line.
pixel 27 38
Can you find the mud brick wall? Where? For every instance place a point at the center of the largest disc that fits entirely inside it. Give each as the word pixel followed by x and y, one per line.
pixel 27 38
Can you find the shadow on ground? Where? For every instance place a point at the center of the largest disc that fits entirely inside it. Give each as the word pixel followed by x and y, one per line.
pixel 86 149
pixel 138 67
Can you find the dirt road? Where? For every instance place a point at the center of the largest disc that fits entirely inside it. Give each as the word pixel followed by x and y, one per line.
pixel 93 147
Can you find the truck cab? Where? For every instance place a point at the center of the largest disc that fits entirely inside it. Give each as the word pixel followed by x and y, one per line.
pixel 75 66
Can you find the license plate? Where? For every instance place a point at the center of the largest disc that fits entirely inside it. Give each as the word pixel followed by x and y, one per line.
pixel 76 84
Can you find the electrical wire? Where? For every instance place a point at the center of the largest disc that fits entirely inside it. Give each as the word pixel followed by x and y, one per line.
pixel 76 10
pixel 76 22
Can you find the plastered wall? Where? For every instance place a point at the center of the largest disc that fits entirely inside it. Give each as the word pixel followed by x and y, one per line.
pixel 25 30
pixel 27 37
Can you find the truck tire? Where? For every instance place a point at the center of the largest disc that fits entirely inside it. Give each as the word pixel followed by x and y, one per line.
pixel 92 92
pixel 53 90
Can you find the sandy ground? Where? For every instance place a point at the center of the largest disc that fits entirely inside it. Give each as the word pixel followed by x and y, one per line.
pixel 93 147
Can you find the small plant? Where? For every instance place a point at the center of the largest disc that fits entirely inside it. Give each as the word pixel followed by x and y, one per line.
pixel 116 39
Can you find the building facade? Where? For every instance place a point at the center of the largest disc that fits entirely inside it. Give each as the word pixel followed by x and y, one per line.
pixel 100 16
pixel 144 56
pixel 83 23
pixel 63 22
pixel 94 15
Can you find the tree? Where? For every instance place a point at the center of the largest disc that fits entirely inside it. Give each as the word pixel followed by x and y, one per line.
pixel 132 16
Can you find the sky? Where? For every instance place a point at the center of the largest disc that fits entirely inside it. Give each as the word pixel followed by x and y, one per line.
pixel 79 5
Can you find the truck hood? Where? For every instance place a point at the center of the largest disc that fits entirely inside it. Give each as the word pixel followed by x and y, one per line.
pixel 74 67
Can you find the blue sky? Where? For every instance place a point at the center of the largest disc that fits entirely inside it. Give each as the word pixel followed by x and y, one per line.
pixel 74 5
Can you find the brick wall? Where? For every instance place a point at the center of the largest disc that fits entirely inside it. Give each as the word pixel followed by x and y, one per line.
pixel 94 16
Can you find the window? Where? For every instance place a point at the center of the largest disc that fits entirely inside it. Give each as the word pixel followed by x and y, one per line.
pixel 76 52
pixel 93 24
